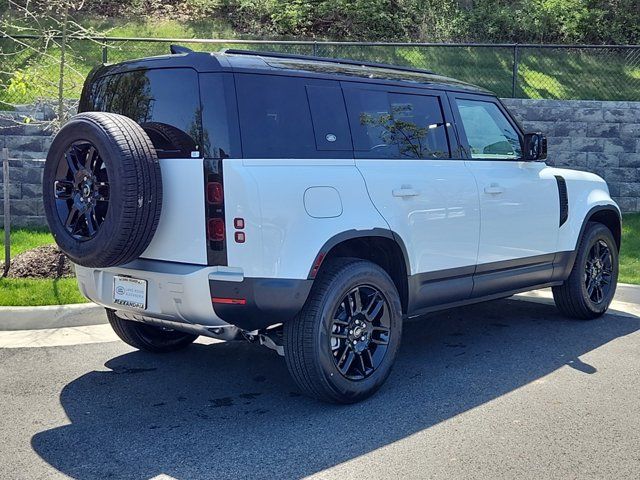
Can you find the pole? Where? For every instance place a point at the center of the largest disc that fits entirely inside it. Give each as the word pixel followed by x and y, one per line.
pixel 7 213
pixel 514 73
pixel 104 50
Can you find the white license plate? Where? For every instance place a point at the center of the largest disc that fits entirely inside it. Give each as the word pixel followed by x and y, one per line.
pixel 130 292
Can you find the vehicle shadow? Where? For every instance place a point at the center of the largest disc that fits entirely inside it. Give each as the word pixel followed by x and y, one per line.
pixel 230 410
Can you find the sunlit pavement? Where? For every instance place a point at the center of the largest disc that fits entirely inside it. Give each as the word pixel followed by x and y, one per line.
pixel 506 389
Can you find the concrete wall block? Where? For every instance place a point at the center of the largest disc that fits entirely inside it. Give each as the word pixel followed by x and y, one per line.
pixel 629 190
pixel 15 191
pixel 630 159
pixel 619 145
pixel 602 160
pixel 25 221
pixel 21 163
pixel 539 126
pixel 627 204
pixel 569 159
pixel 570 129
pixel 603 130
pixel 25 207
pixel 17 143
pixel 622 115
pixel 582 144
pixel 26 175
pixel 582 114
pixel 630 130
pixel 620 174
pixel 559 144
pixel 32 190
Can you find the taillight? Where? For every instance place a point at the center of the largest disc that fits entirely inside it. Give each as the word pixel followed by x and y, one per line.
pixel 214 210
pixel 215 229
pixel 215 194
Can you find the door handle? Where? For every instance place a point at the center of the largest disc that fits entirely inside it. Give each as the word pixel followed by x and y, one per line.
pixel 494 189
pixel 405 192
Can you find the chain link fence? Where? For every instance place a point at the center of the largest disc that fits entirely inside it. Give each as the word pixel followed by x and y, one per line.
pixel 31 72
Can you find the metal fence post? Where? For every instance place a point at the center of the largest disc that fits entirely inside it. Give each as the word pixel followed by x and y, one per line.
pixel 314 48
pixel 7 213
pixel 514 73
pixel 104 50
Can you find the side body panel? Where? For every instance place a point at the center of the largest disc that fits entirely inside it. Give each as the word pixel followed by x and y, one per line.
pixel 282 237
pixel 585 192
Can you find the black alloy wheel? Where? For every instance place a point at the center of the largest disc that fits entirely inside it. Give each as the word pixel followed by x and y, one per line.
pixel 589 290
pixel 342 345
pixel 360 332
pixel 81 190
pixel 598 272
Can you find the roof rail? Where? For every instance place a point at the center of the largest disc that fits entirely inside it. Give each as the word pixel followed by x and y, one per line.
pixel 344 61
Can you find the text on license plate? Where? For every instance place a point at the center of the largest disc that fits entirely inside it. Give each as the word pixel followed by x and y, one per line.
pixel 130 292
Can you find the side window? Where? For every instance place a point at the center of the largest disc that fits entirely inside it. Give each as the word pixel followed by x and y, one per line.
pixel 489 134
pixel 396 125
pixel 329 118
pixel 275 119
pixel 164 102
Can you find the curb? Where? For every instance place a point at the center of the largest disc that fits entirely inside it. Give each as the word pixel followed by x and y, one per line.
pixel 84 314
pixel 51 316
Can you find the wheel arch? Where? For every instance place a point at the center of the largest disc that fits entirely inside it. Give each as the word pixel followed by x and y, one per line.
pixel 378 245
pixel 607 215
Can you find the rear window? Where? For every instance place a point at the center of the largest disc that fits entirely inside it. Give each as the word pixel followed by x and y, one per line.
pixel 165 102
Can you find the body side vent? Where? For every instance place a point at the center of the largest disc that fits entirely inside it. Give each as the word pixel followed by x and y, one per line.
pixel 564 199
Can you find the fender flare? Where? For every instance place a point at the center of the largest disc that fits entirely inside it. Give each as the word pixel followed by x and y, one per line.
pixel 350 235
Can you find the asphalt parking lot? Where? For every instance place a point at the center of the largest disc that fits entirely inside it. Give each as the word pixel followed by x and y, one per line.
pixel 506 389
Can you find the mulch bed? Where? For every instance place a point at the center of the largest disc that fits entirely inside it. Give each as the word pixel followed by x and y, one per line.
pixel 41 262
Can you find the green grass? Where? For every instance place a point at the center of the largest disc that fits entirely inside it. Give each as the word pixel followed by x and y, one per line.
pixel 630 252
pixel 35 291
pixel 26 239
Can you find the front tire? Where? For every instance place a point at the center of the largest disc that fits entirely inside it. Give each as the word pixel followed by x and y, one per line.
pixel 342 345
pixel 148 337
pixel 590 288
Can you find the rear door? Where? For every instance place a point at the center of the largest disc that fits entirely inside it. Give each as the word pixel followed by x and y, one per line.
pixel 403 147
pixel 166 103
pixel 518 200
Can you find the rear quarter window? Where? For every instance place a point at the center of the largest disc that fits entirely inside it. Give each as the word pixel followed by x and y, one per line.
pixel 292 117
pixel 165 102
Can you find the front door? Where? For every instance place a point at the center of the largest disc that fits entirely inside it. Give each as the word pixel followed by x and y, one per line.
pixel 425 192
pixel 519 204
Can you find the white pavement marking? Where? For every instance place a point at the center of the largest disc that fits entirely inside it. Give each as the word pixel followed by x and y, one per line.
pixel 60 337
pixel 57 337
pixel 545 296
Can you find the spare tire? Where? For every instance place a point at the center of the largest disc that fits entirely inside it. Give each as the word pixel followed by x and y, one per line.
pixel 102 189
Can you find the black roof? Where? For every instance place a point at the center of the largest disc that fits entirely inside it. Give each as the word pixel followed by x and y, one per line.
pixel 276 63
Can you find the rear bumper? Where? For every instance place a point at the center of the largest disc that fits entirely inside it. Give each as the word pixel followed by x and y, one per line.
pixel 176 292
pixel 183 293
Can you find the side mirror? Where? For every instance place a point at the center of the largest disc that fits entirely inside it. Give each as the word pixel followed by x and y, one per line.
pixel 535 147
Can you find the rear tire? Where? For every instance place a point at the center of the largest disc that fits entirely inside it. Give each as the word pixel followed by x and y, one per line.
pixel 148 337
pixel 342 345
pixel 590 288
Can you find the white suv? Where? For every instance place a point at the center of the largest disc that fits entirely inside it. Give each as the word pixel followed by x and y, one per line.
pixel 310 204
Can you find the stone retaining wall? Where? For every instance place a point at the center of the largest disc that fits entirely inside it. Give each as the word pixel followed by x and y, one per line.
pixel 601 137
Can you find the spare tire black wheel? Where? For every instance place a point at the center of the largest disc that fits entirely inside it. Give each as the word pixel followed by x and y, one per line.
pixel 102 189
